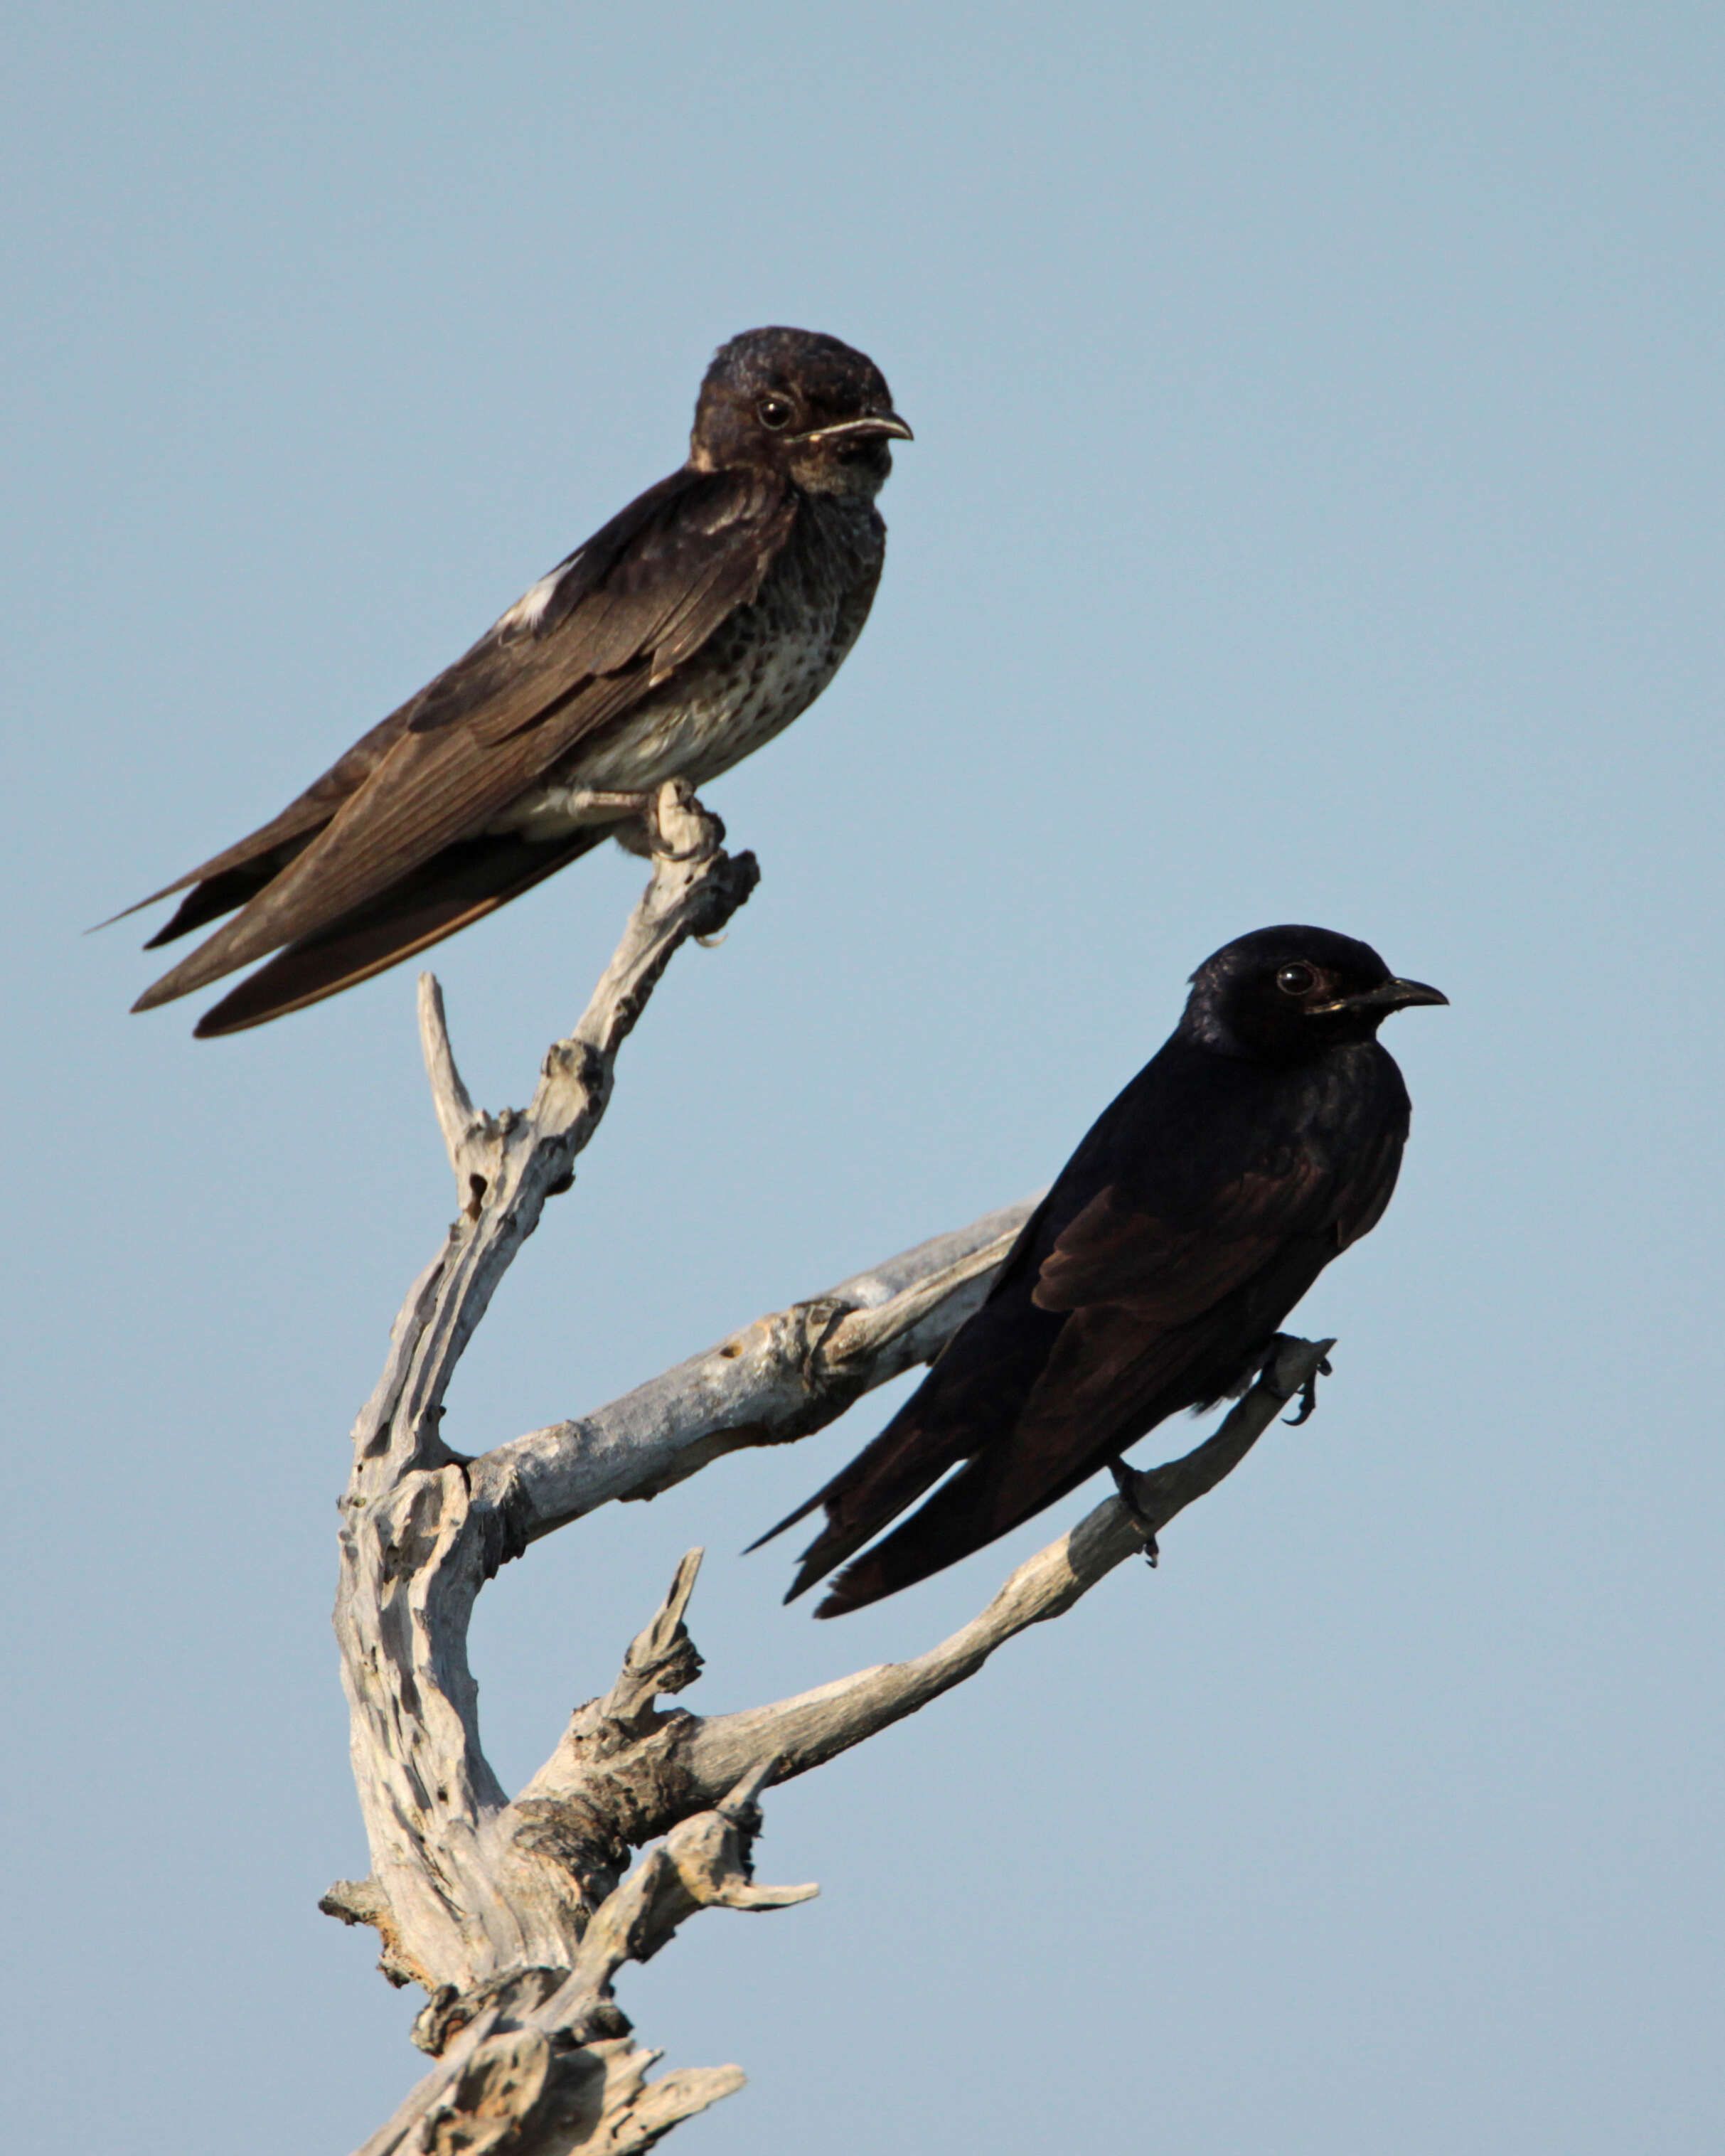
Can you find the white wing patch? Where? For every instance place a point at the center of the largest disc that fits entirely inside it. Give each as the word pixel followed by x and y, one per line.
pixel 529 609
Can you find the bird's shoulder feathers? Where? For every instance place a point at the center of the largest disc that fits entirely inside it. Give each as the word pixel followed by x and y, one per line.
pixel 1202 1168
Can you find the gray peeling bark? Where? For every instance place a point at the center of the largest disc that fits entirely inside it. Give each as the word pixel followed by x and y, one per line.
pixel 516 1915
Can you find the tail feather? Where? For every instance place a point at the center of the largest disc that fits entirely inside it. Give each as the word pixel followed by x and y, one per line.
pixel 461 885
pixel 939 1534
pixel 220 894
pixel 887 1474
pixel 789 1520
pixel 961 1517
pixel 228 880
pixel 961 1411
pixel 263 854
pixel 860 1501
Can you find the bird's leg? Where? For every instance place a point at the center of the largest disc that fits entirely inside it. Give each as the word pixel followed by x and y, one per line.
pixel 1308 1393
pixel 646 805
pixel 675 809
pixel 1126 1481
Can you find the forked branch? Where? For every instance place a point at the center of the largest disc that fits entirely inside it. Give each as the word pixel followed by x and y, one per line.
pixel 517 1916
pixel 686 1760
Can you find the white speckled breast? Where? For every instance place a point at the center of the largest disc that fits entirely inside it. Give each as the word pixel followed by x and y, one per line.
pixel 764 668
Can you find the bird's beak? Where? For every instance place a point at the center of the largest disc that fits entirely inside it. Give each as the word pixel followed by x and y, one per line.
pixel 1393 996
pixel 878 426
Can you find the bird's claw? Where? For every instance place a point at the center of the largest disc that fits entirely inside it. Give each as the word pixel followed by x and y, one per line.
pixel 709 835
pixel 708 832
pixel 1126 1481
pixel 1307 1394
pixel 662 850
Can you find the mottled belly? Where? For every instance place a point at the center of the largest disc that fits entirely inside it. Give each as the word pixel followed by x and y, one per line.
pixel 736 702
pixel 760 669
pixel 733 700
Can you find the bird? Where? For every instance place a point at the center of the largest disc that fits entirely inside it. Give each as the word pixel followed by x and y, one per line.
pixel 1262 1139
pixel 691 629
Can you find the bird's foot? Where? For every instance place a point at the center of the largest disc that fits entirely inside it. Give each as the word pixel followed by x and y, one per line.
pixel 1126 1481
pixel 674 826
pixel 679 829
pixel 1307 1392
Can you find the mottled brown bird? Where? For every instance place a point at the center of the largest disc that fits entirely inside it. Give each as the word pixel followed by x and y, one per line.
pixel 1262 1139
pixel 696 626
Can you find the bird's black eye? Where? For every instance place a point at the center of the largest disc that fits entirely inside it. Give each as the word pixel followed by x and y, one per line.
pixel 775 412
pixel 1295 980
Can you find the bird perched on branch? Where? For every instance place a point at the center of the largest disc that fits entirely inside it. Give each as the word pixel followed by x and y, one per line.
pixel 1262 1139
pixel 696 626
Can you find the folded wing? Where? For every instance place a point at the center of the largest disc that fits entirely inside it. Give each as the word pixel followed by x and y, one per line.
pixel 1120 1305
pixel 607 627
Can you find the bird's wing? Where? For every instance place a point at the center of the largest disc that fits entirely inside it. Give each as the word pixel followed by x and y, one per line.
pixel 1156 1308
pixel 1117 1309
pixel 637 601
pixel 603 630
pixel 1117 1250
pixel 462 885
pixel 1088 1309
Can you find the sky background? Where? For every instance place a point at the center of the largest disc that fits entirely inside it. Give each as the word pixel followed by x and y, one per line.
pixel 1314 515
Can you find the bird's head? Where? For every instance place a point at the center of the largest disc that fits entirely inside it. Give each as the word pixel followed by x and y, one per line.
pixel 1285 995
pixel 797 401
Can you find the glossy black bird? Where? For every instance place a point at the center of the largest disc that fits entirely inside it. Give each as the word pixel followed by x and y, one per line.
pixel 693 627
pixel 1262 1139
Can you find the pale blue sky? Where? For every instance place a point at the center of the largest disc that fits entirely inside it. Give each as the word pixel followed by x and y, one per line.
pixel 1314 515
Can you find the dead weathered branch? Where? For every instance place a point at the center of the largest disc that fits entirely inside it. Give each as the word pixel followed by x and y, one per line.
pixel 414 1549
pixel 777 1379
pixel 540 2062
pixel 517 1916
pixel 686 1759
pixel 507 1166
pixel 469 1137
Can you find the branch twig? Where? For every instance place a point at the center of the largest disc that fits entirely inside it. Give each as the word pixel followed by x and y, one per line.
pixel 517 1917
pixel 684 1762
pixel 776 1380
pixel 523 1158
pixel 414 1549
pixel 469 1137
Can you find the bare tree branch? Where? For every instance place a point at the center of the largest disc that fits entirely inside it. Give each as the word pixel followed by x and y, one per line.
pixel 517 1917
pixel 414 1550
pixel 542 2066
pixel 513 1163
pixel 780 1379
pixel 469 1137
pixel 684 1761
